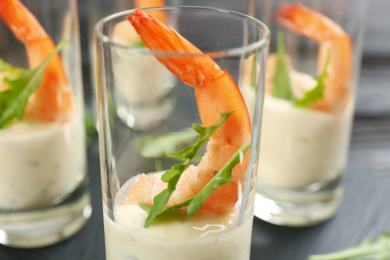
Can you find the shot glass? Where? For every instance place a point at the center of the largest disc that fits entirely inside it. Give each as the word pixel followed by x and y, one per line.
pixel 312 76
pixel 43 183
pixel 232 58
pixel 147 107
pixel 150 107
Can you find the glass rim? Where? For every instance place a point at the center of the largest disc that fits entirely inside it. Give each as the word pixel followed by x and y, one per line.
pixel 220 53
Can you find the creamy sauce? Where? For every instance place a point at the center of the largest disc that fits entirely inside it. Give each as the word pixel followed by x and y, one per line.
pixel 139 78
pixel 141 83
pixel 150 80
pixel 175 236
pixel 299 146
pixel 40 162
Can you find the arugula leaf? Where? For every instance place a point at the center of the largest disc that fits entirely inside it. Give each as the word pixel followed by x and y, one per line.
pixel 196 202
pixel 254 71
pixel 281 80
pixel 160 146
pixel 14 100
pixel 145 207
pixel 222 177
pixel 172 175
pixel 368 250
pixel 317 92
pixel 12 72
pixel 139 43
pixel 90 124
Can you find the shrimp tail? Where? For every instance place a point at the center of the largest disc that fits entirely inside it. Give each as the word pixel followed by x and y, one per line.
pixel 53 100
pixel 191 70
pixel 148 3
pixel 307 22
pixel 15 16
pixel 328 34
pixel 333 41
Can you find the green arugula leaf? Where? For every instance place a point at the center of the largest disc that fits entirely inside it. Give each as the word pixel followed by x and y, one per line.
pixel 14 100
pixel 317 92
pixel 145 207
pixel 281 80
pixel 368 250
pixel 161 145
pixel 172 175
pixel 11 72
pixel 90 124
pixel 254 71
pixel 139 43
pixel 196 202
pixel 222 177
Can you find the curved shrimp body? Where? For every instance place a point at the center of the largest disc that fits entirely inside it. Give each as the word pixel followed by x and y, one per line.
pixel 152 3
pixel 330 37
pixel 148 3
pixel 53 100
pixel 216 92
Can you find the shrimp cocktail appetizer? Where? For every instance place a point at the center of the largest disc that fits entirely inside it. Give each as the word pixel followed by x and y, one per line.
pixel 307 117
pixel 185 188
pixel 42 140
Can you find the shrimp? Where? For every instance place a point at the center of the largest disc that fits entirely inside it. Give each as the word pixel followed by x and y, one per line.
pixel 149 3
pixel 53 99
pixel 215 92
pixel 152 3
pixel 329 36
pixel 123 31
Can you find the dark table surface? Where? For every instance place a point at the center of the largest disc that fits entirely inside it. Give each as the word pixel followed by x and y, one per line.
pixel 364 211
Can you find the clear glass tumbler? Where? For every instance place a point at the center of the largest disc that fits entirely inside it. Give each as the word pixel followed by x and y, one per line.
pixel 227 76
pixel 312 75
pixel 151 106
pixel 43 193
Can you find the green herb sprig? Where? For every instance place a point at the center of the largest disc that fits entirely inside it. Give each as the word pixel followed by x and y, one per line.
pixel 159 146
pixel 90 125
pixel 22 83
pixel 220 178
pixel 254 71
pixel 317 92
pixel 139 44
pixel 173 175
pixel 368 250
pixel 196 202
pixel 281 80
pixel 11 72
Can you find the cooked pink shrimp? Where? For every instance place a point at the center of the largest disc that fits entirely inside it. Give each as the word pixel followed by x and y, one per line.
pixel 152 3
pixel 124 32
pixel 216 92
pixel 329 36
pixel 53 100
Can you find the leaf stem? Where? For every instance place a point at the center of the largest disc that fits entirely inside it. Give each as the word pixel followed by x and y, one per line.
pixel 380 250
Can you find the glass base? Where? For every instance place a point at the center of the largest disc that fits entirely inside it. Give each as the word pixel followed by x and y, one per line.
pixel 44 227
pixel 297 209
